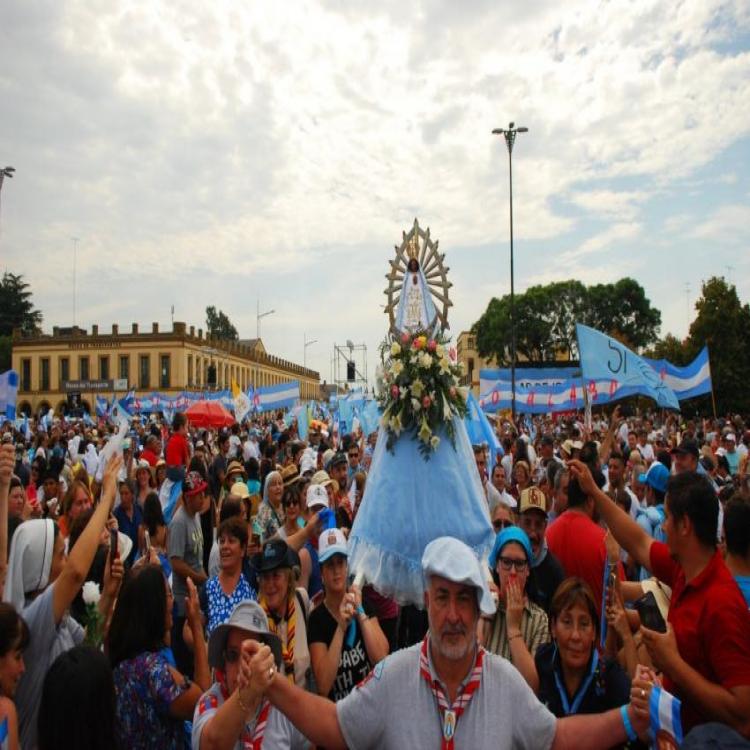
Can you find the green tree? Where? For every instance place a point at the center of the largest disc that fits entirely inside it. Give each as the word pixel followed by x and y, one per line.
pixel 219 325
pixel 546 317
pixel 723 323
pixel 16 307
pixel 671 349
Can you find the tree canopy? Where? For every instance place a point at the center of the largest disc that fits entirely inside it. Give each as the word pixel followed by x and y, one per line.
pixel 546 317
pixel 16 307
pixel 219 325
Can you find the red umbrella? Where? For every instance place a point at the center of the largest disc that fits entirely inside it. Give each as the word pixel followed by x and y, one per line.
pixel 209 414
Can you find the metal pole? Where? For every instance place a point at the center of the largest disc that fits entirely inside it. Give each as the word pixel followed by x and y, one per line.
pixel 512 292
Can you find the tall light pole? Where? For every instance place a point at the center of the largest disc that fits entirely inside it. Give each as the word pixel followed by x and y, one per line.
pixel 510 138
pixel 306 344
pixel 259 315
pixel 6 172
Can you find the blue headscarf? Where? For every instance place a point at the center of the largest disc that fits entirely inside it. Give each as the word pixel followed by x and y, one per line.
pixel 511 534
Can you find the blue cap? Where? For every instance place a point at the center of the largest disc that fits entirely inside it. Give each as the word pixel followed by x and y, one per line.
pixel 657 476
pixel 455 561
pixel 510 534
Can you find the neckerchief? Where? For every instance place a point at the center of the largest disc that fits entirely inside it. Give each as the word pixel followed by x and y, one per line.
pixel 582 690
pixel 250 740
pixel 450 714
pixel 287 647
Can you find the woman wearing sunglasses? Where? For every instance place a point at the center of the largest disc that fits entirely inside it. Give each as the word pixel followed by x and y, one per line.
pixel 519 627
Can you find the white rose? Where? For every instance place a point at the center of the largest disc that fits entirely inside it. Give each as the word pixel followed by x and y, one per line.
pixel 91 594
pixel 395 348
pixel 415 405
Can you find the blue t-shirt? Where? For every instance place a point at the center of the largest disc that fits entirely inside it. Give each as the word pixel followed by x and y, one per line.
pixel 744 583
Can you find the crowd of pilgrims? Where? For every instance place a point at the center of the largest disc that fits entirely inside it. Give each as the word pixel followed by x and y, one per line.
pixel 114 622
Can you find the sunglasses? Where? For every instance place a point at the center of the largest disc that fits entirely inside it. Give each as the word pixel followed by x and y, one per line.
pixel 497 525
pixel 287 503
pixel 510 562
pixel 354 455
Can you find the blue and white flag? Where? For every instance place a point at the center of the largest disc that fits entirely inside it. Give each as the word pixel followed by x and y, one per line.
pixel 26 427
pixel 8 393
pixel 281 396
pixel 605 358
pixel 102 407
pixel 664 710
pixel 527 378
pixel 480 430
pixel 689 381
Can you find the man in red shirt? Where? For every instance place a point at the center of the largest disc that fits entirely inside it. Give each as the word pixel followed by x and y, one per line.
pixel 704 654
pixel 177 453
pixel 151 450
pixel 578 543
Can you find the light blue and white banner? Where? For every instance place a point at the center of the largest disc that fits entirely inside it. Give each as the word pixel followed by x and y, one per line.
pixel 689 381
pixel 527 378
pixel 281 396
pixel 8 394
pixel 605 358
pixel 480 430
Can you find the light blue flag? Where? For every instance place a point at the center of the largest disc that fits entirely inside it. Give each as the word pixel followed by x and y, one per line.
pixel 603 357
pixel 689 381
pixel 480 430
pixel 8 393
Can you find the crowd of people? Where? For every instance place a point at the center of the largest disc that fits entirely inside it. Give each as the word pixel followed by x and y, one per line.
pixel 192 589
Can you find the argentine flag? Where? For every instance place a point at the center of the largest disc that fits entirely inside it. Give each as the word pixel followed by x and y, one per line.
pixel 664 710
pixel 8 393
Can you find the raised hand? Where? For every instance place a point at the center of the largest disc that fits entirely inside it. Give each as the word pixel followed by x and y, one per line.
pixel 7 462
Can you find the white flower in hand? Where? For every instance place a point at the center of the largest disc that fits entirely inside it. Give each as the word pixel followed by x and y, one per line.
pixel 91 593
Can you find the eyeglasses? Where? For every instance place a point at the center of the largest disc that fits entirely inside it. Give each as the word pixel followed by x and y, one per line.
pixel 511 562
pixel 498 525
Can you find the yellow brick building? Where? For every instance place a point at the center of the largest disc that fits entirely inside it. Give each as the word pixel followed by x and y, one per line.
pixel 90 363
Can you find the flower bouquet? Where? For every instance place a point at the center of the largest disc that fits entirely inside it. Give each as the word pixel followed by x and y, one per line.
pixel 420 394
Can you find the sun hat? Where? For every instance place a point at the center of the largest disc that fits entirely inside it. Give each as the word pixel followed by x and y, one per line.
pixel 250 617
pixel 321 477
pixel 239 489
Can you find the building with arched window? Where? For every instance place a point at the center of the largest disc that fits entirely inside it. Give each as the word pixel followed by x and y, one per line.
pixel 90 363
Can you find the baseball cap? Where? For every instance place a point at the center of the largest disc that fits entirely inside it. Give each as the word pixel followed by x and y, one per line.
pixel 250 617
pixel 533 498
pixel 327 456
pixel 331 542
pixel 730 437
pixel 306 464
pixel 657 476
pixel 453 560
pixel 687 447
pixel 316 497
pixel 338 459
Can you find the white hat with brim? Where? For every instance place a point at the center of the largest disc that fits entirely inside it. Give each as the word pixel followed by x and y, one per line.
pixel 453 560
pixel 250 617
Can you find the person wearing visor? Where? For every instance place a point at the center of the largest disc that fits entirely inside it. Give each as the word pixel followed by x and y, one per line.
pixel 232 713
pixel 447 692
pixel 341 661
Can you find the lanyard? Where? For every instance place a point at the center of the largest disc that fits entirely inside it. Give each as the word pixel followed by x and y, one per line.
pixel 582 690
pixel 450 713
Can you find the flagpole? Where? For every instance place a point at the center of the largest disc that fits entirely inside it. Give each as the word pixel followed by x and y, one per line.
pixel 713 397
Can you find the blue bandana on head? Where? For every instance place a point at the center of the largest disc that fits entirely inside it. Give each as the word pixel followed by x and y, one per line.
pixel 510 534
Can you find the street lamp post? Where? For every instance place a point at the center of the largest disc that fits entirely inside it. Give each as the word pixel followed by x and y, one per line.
pixel 6 172
pixel 306 344
pixel 510 139
pixel 258 317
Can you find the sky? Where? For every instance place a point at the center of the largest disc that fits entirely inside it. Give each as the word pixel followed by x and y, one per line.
pixel 255 155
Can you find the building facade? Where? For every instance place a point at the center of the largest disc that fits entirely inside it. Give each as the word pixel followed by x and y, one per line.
pixel 72 359
pixel 466 348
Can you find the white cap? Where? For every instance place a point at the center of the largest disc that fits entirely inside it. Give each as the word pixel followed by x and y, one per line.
pixel 331 542
pixel 317 497
pixel 307 464
pixel 453 560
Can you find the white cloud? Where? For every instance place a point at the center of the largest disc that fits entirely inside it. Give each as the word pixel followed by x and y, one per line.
pixel 252 146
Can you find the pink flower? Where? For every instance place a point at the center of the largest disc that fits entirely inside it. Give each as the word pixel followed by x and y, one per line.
pixel 395 392
pixel 405 338
pixel 417 343
pixel 432 345
pixel 426 402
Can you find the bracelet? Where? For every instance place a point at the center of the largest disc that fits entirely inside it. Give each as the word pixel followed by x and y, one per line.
pixel 245 708
pixel 360 610
pixel 515 635
pixel 632 736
